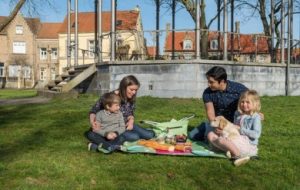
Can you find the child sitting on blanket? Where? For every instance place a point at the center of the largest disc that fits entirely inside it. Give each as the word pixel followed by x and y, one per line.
pixel 111 121
pixel 248 120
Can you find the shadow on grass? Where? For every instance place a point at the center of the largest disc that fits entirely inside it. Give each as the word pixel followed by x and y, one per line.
pixel 32 128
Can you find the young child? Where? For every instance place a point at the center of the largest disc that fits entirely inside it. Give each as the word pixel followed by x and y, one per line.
pixel 111 122
pixel 248 120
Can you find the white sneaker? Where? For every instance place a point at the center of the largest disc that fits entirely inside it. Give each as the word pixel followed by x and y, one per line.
pixel 241 161
pixel 228 154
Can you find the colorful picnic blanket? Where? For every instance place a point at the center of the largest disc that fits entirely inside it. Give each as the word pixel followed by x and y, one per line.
pixel 168 133
pixel 198 149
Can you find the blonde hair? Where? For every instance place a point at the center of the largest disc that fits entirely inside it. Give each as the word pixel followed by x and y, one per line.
pixel 253 97
pixel 109 99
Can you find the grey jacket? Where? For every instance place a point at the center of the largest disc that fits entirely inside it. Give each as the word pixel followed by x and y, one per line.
pixel 110 122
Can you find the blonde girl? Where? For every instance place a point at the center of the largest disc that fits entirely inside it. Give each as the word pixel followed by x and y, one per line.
pixel 248 120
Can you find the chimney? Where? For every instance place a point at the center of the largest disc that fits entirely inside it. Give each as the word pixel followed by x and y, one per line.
pixel 237 27
pixel 137 8
pixel 168 27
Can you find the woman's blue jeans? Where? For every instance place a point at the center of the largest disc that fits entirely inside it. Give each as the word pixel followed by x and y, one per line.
pixel 138 133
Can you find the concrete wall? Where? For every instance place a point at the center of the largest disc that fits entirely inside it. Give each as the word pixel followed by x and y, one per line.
pixel 187 80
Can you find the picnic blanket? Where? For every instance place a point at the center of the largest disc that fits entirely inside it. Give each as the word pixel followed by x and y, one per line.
pixel 197 149
pixel 170 139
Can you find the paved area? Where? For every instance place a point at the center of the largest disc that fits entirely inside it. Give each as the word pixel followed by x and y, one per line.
pixel 19 101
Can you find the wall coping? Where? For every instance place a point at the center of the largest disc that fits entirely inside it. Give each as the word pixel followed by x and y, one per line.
pixel 195 61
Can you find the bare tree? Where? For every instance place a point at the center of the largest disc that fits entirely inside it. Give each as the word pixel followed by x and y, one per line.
pixel 247 9
pixel 33 7
pixel 190 6
pixel 262 8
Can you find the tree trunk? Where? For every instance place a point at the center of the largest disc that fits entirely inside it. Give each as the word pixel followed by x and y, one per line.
pixel 12 14
pixel 266 25
pixel 204 32
pixel 190 7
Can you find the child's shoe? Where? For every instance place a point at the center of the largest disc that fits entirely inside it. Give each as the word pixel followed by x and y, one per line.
pixel 228 154
pixel 92 146
pixel 122 148
pixel 240 161
pixel 102 149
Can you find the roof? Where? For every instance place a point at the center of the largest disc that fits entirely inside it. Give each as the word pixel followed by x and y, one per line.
pixel 33 23
pixel 86 21
pixel 49 31
pixel 244 43
pixel 179 38
pixel 151 50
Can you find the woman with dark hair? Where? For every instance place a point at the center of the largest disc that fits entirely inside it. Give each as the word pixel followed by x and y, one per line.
pixel 127 91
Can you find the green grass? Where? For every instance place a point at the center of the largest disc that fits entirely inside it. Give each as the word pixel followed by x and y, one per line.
pixel 13 93
pixel 42 147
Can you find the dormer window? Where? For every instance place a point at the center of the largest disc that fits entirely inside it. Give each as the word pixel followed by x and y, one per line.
pixel 214 44
pixel 119 23
pixel 19 29
pixel 187 44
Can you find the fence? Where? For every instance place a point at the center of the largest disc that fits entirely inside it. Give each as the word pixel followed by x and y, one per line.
pixel 181 44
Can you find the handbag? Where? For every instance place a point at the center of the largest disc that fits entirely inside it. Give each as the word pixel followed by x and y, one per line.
pixel 170 128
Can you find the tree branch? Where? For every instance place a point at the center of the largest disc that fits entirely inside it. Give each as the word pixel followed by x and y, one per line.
pixel 12 14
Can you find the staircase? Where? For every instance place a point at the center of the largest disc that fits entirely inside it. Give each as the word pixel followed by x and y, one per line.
pixel 65 83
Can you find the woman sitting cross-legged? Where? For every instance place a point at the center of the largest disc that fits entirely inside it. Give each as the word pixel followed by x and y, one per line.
pixel 127 91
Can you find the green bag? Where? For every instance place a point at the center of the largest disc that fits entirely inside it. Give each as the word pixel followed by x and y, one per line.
pixel 170 128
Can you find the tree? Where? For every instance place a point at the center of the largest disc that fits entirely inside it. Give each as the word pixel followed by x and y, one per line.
pixel 32 6
pixel 262 8
pixel 12 14
pixel 190 6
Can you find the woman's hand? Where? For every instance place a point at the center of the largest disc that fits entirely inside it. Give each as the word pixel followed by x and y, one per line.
pixel 96 126
pixel 218 131
pixel 111 136
pixel 129 124
pixel 238 127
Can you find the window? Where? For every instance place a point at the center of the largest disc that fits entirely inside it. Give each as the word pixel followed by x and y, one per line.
pixel 26 72
pixel 19 29
pixel 1 69
pixel 261 58
pixel 188 56
pixel 71 48
pixel 119 40
pixel 19 47
pixel 248 59
pixel 42 73
pixel 91 48
pixel 119 23
pixel 43 53
pixel 187 44
pixel 53 76
pixel 214 45
pixel 53 53
pixel 13 70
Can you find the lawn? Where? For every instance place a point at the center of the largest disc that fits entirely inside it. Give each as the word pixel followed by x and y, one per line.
pixel 42 147
pixel 13 93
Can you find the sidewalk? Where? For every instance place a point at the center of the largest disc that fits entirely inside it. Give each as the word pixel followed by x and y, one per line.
pixel 19 101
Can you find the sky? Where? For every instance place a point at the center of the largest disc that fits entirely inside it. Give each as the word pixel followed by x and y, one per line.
pixel 147 7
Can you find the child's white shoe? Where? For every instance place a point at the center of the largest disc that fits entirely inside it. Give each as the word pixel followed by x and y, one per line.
pixel 228 154
pixel 241 161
